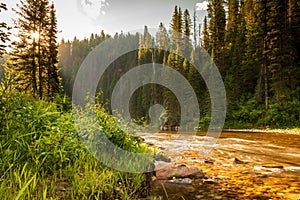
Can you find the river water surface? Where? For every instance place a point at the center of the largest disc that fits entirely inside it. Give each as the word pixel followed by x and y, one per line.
pixel 241 165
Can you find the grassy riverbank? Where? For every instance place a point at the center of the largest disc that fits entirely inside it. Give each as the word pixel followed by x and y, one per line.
pixel 41 156
pixel 295 131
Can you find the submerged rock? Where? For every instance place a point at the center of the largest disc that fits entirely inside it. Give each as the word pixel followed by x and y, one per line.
pixel 160 157
pixel 271 166
pixel 237 161
pixel 208 161
pixel 209 181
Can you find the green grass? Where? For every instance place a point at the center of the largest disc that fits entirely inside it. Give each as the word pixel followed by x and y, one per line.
pixel 41 156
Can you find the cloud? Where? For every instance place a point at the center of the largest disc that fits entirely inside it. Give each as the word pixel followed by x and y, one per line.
pixel 88 2
pixel 201 6
pixel 92 8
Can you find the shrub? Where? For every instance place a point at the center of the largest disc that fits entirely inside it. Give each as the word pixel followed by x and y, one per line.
pixel 283 115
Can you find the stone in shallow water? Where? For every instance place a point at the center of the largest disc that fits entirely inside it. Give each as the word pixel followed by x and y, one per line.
pixel 272 166
pixel 208 161
pixel 238 161
pixel 179 171
pixel 209 181
pixel 160 157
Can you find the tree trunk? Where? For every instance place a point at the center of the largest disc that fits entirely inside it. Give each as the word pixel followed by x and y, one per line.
pixel 265 68
pixel 40 68
pixel 259 85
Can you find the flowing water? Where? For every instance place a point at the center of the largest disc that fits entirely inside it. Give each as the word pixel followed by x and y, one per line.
pixel 240 166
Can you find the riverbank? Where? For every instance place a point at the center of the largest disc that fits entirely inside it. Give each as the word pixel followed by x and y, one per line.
pixel 283 131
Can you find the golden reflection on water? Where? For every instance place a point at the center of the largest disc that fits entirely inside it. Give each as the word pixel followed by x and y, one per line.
pixel 279 153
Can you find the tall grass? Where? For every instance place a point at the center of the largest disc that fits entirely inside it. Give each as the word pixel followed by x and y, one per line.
pixel 41 156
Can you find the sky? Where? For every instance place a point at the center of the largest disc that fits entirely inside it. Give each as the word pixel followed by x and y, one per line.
pixel 81 18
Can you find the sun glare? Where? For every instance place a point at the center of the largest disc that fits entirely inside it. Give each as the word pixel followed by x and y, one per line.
pixel 35 35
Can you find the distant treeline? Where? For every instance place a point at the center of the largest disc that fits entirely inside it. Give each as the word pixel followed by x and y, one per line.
pixel 256 47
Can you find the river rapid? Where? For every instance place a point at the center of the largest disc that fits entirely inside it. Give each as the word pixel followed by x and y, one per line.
pixel 241 165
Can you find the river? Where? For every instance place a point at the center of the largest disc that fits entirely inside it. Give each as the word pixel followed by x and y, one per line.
pixel 242 165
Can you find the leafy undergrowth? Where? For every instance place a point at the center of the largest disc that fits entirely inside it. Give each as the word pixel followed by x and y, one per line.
pixel 249 114
pixel 43 158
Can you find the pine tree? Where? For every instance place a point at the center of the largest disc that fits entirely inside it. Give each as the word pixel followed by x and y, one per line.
pixel 181 30
pixel 187 25
pixel 170 101
pixel 233 9
pixel 205 43
pixel 65 63
pixel 239 52
pixel 176 29
pixel 255 73
pixel 27 51
pixel 34 54
pixel 195 29
pixel 180 45
pixel 54 81
pixel 280 54
pixel 145 95
pixel 234 51
pixel 194 77
pixel 270 46
pixel 162 44
pixel 261 52
pixel 294 28
pixel 4 32
pixel 145 54
pixel 217 24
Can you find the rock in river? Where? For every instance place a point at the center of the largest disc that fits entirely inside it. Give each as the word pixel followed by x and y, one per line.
pixel 179 171
pixel 273 166
pixel 238 161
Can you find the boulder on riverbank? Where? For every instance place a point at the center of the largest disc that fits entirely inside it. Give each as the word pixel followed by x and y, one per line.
pixel 175 181
pixel 178 171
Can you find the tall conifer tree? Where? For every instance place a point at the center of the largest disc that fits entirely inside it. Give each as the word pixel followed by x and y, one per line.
pixel 54 81
pixel 4 32
pixel 205 43
pixel 217 24
pixel 34 55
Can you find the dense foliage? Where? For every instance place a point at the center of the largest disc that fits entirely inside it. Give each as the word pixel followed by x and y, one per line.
pixel 42 156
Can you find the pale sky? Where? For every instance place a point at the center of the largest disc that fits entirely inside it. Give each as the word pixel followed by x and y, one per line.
pixel 81 18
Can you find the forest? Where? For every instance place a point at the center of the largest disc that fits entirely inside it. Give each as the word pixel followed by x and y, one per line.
pixel 255 49
pixel 254 43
